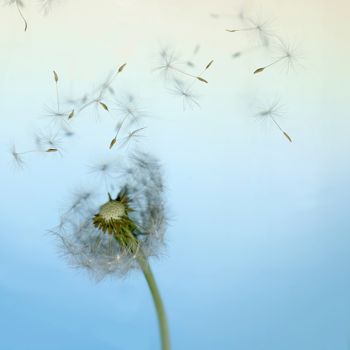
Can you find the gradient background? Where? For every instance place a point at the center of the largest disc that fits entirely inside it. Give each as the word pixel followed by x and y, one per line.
pixel 258 247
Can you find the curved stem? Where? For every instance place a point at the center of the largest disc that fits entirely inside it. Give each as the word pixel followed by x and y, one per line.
pixel 21 14
pixel 158 303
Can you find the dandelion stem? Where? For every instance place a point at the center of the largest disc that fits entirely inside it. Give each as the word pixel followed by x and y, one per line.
pixel 283 132
pixel 279 127
pixel 57 99
pixel 274 62
pixel 158 303
pixel 182 72
pixel 87 105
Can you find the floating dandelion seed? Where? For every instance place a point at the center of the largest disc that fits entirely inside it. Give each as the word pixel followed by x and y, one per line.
pixel 19 5
pixel 55 115
pixel 168 64
pixel 118 128
pixel 288 55
pixel 17 157
pixel 272 112
pixel 46 140
pixel 110 80
pixel 189 99
pixel 101 92
pixel 129 109
pixel 168 59
pixel 62 116
pixel 125 140
pixel 256 26
pixel 259 26
pixel 112 237
pixel 135 134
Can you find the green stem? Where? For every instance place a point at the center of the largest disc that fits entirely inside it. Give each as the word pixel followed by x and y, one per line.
pixel 158 303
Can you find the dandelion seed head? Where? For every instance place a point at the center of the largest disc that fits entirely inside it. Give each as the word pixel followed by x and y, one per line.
pixel 105 239
pixel 112 210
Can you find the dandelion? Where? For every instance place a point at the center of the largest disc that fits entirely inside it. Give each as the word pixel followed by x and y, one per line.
pixel 18 157
pixel 287 55
pixel 189 99
pixel 98 100
pixel 168 59
pixel 114 236
pixel 133 135
pixel 110 80
pixel 124 141
pixel 272 112
pixel 168 64
pixel 19 5
pixel 58 118
pixel 258 26
pixel 129 109
pixel 118 128
pixel 48 140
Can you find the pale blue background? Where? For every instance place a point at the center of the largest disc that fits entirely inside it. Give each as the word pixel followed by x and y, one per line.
pixel 258 252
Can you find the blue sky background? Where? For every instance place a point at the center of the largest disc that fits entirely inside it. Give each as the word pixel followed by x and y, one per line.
pixel 258 245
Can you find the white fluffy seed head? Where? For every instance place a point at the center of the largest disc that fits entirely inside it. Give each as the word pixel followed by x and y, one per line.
pixel 81 234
